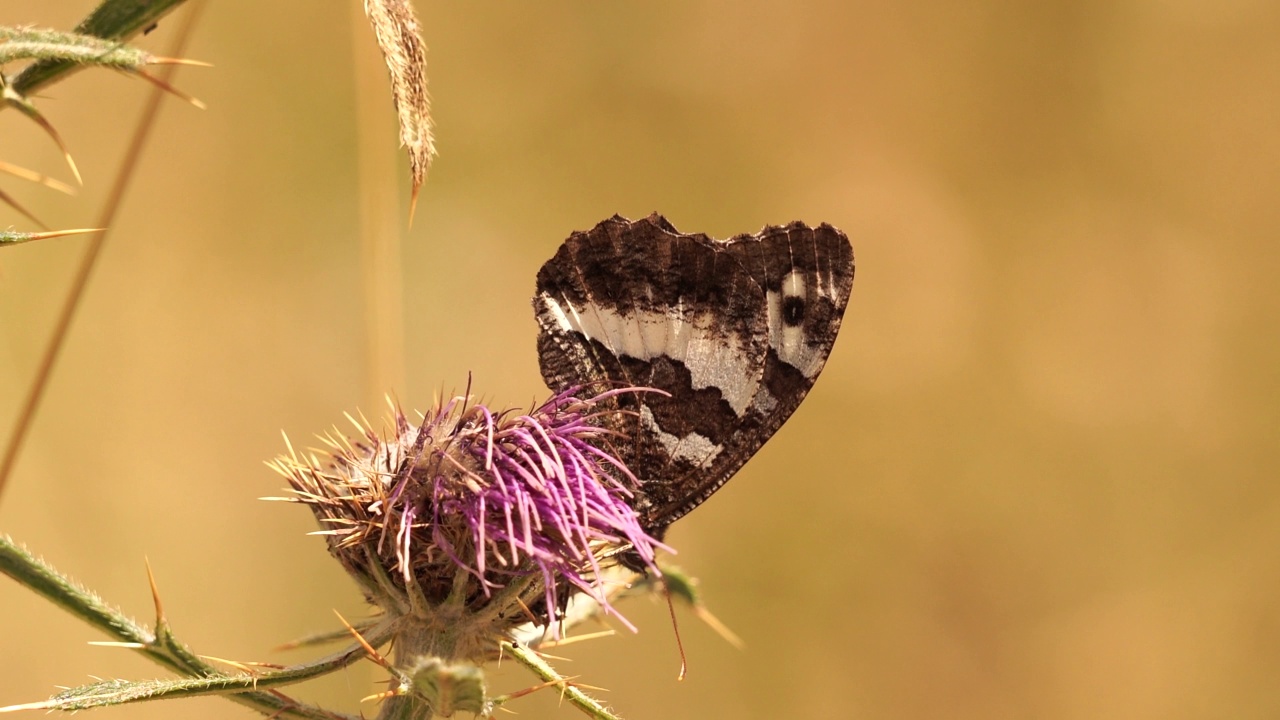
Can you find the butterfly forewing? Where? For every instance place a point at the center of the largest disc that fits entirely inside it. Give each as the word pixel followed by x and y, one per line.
pixel 735 332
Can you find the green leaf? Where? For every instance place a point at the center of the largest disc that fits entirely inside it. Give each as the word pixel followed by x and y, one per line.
pixel 25 43
pixel 111 20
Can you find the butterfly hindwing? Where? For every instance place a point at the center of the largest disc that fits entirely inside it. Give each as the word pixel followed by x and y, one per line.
pixel 735 332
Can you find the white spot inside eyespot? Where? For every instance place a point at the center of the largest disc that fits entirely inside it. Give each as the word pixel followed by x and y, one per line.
pixel 793 285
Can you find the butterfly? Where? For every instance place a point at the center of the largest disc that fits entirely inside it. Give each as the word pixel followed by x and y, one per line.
pixel 733 332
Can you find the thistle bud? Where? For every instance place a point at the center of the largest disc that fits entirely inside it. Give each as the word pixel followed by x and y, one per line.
pixel 473 523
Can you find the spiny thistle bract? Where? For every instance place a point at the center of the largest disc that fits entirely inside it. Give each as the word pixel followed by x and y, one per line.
pixel 473 523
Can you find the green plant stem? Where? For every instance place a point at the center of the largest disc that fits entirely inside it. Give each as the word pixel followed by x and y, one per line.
pixel 33 573
pixel 111 20
pixel 165 649
pixel 581 700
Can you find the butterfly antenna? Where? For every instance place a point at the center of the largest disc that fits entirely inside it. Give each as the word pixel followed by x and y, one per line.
pixel 675 627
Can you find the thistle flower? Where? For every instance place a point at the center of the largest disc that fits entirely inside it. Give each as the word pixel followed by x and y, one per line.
pixel 473 523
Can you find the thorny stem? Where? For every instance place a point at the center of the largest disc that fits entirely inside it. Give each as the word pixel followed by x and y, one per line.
pixel 89 260
pixel 581 700
pixel 111 20
pixel 165 649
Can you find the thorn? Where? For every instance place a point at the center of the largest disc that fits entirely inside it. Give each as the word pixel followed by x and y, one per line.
pixel 125 645
pixel 244 667
pixel 549 656
pixel 369 649
pixel 31 112
pixel 42 705
pixel 164 85
pixel 64 233
pixel 380 696
pixel 161 60
pixel 289 703
pixel 527 612
pixel 578 638
pixel 292 453
pixel 562 683
pixel 582 686
pixel 155 596
pixel 291 645
pixel 284 698
pixel 36 177
pixel 721 629
pixel 367 426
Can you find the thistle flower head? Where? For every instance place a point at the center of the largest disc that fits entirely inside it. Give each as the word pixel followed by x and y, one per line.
pixel 477 518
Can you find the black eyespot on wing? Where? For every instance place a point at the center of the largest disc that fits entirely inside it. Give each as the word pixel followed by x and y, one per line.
pixel 793 310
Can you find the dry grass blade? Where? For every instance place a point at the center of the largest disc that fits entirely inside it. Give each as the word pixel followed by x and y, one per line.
pixel 400 37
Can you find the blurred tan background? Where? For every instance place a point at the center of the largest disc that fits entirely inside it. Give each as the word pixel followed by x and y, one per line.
pixel 1038 478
